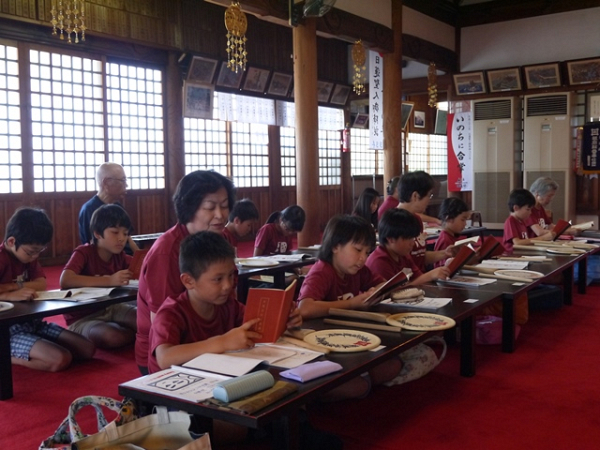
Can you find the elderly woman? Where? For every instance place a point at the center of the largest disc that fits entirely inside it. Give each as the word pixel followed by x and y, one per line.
pixel 543 189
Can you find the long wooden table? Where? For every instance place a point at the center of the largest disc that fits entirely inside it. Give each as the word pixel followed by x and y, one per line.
pixel 25 311
pixel 284 413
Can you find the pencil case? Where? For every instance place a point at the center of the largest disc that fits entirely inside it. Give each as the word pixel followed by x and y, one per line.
pixel 236 388
pixel 310 371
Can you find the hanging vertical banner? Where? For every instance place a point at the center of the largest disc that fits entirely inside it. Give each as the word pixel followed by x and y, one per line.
pixel 590 148
pixel 375 101
pixel 460 152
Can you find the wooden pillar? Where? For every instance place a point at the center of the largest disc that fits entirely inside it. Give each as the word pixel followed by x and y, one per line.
pixel 175 166
pixel 307 129
pixel 392 100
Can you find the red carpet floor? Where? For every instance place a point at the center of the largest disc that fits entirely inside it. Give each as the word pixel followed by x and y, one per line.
pixel 543 396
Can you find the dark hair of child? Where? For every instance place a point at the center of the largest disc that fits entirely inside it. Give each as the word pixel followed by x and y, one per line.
pixel 419 181
pixel 293 217
pixel 363 204
pixel 398 223
pixel 192 189
pixel 451 208
pixel 244 210
pixel 392 186
pixel 29 226
pixel 200 250
pixel 520 198
pixel 108 216
pixel 342 229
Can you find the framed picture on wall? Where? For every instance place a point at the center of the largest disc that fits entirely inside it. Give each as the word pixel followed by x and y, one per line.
pixel 280 84
pixel 542 76
pixel 441 121
pixel 469 83
pixel 504 80
pixel 340 94
pixel 229 78
pixel 419 119
pixel 198 100
pixel 324 89
pixel 406 110
pixel 202 70
pixel 361 121
pixel 256 79
pixel 584 71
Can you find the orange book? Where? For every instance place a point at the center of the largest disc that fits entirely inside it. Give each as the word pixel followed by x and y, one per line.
pixel 272 307
pixel 135 267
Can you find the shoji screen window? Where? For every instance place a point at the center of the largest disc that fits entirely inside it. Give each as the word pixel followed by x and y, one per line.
pixel 288 156
pixel 250 154
pixel 205 145
pixel 428 152
pixel 135 124
pixel 67 121
pixel 11 166
pixel 330 162
pixel 363 160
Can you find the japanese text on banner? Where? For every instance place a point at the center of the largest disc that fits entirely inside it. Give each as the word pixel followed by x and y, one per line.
pixel 460 152
pixel 375 101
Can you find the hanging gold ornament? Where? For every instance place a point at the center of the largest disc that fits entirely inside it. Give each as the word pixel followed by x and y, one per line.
pixel 432 85
pixel 236 24
pixel 359 58
pixel 68 17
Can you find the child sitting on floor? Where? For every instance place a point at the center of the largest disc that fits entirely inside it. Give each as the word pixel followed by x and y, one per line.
pixel 340 279
pixel 35 344
pixel 275 237
pixel 103 263
pixel 516 231
pixel 398 229
pixel 243 216
pixel 454 214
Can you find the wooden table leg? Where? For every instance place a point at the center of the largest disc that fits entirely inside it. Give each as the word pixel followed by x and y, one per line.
pixel 467 347
pixel 6 385
pixel 286 432
pixel 582 276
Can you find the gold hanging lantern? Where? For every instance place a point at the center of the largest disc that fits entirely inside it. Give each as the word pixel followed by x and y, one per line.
pixel 69 18
pixel 236 24
pixel 359 57
pixel 432 85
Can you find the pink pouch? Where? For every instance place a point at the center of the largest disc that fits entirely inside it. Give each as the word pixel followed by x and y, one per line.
pixel 488 330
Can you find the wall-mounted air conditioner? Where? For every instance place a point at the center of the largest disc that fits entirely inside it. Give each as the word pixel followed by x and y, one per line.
pixel 548 148
pixel 495 165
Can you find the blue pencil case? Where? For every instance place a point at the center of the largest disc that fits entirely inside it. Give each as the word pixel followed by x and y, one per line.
pixel 238 387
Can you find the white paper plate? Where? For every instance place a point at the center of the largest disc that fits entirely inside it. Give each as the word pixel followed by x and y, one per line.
pixel 5 306
pixel 257 262
pixel 418 321
pixel 565 251
pixel 343 340
pixel 530 274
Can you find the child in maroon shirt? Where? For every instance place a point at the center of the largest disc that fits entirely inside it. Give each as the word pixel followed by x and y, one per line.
pixel 454 214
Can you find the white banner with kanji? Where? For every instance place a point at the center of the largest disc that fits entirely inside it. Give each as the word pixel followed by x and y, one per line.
pixel 460 152
pixel 375 101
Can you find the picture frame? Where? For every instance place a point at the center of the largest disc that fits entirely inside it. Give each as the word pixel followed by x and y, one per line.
pixel 361 121
pixel 542 76
pixel 256 79
pixel 469 83
pixel 198 100
pixel 441 122
pixel 592 110
pixel 228 78
pixel 324 89
pixel 280 84
pixel 419 119
pixel 584 71
pixel 202 70
pixel 406 110
pixel 340 94
pixel 502 80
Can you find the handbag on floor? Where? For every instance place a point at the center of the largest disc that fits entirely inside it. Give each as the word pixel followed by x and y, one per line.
pixel 162 430
pixel 419 361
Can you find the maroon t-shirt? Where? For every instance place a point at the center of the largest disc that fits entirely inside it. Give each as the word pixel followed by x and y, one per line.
pixel 85 260
pixel 12 270
pixel 176 322
pixel 513 228
pixel 444 240
pixel 272 241
pixel 382 263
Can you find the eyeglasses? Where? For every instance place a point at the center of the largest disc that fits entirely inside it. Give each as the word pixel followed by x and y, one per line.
pixel 32 253
pixel 122 180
